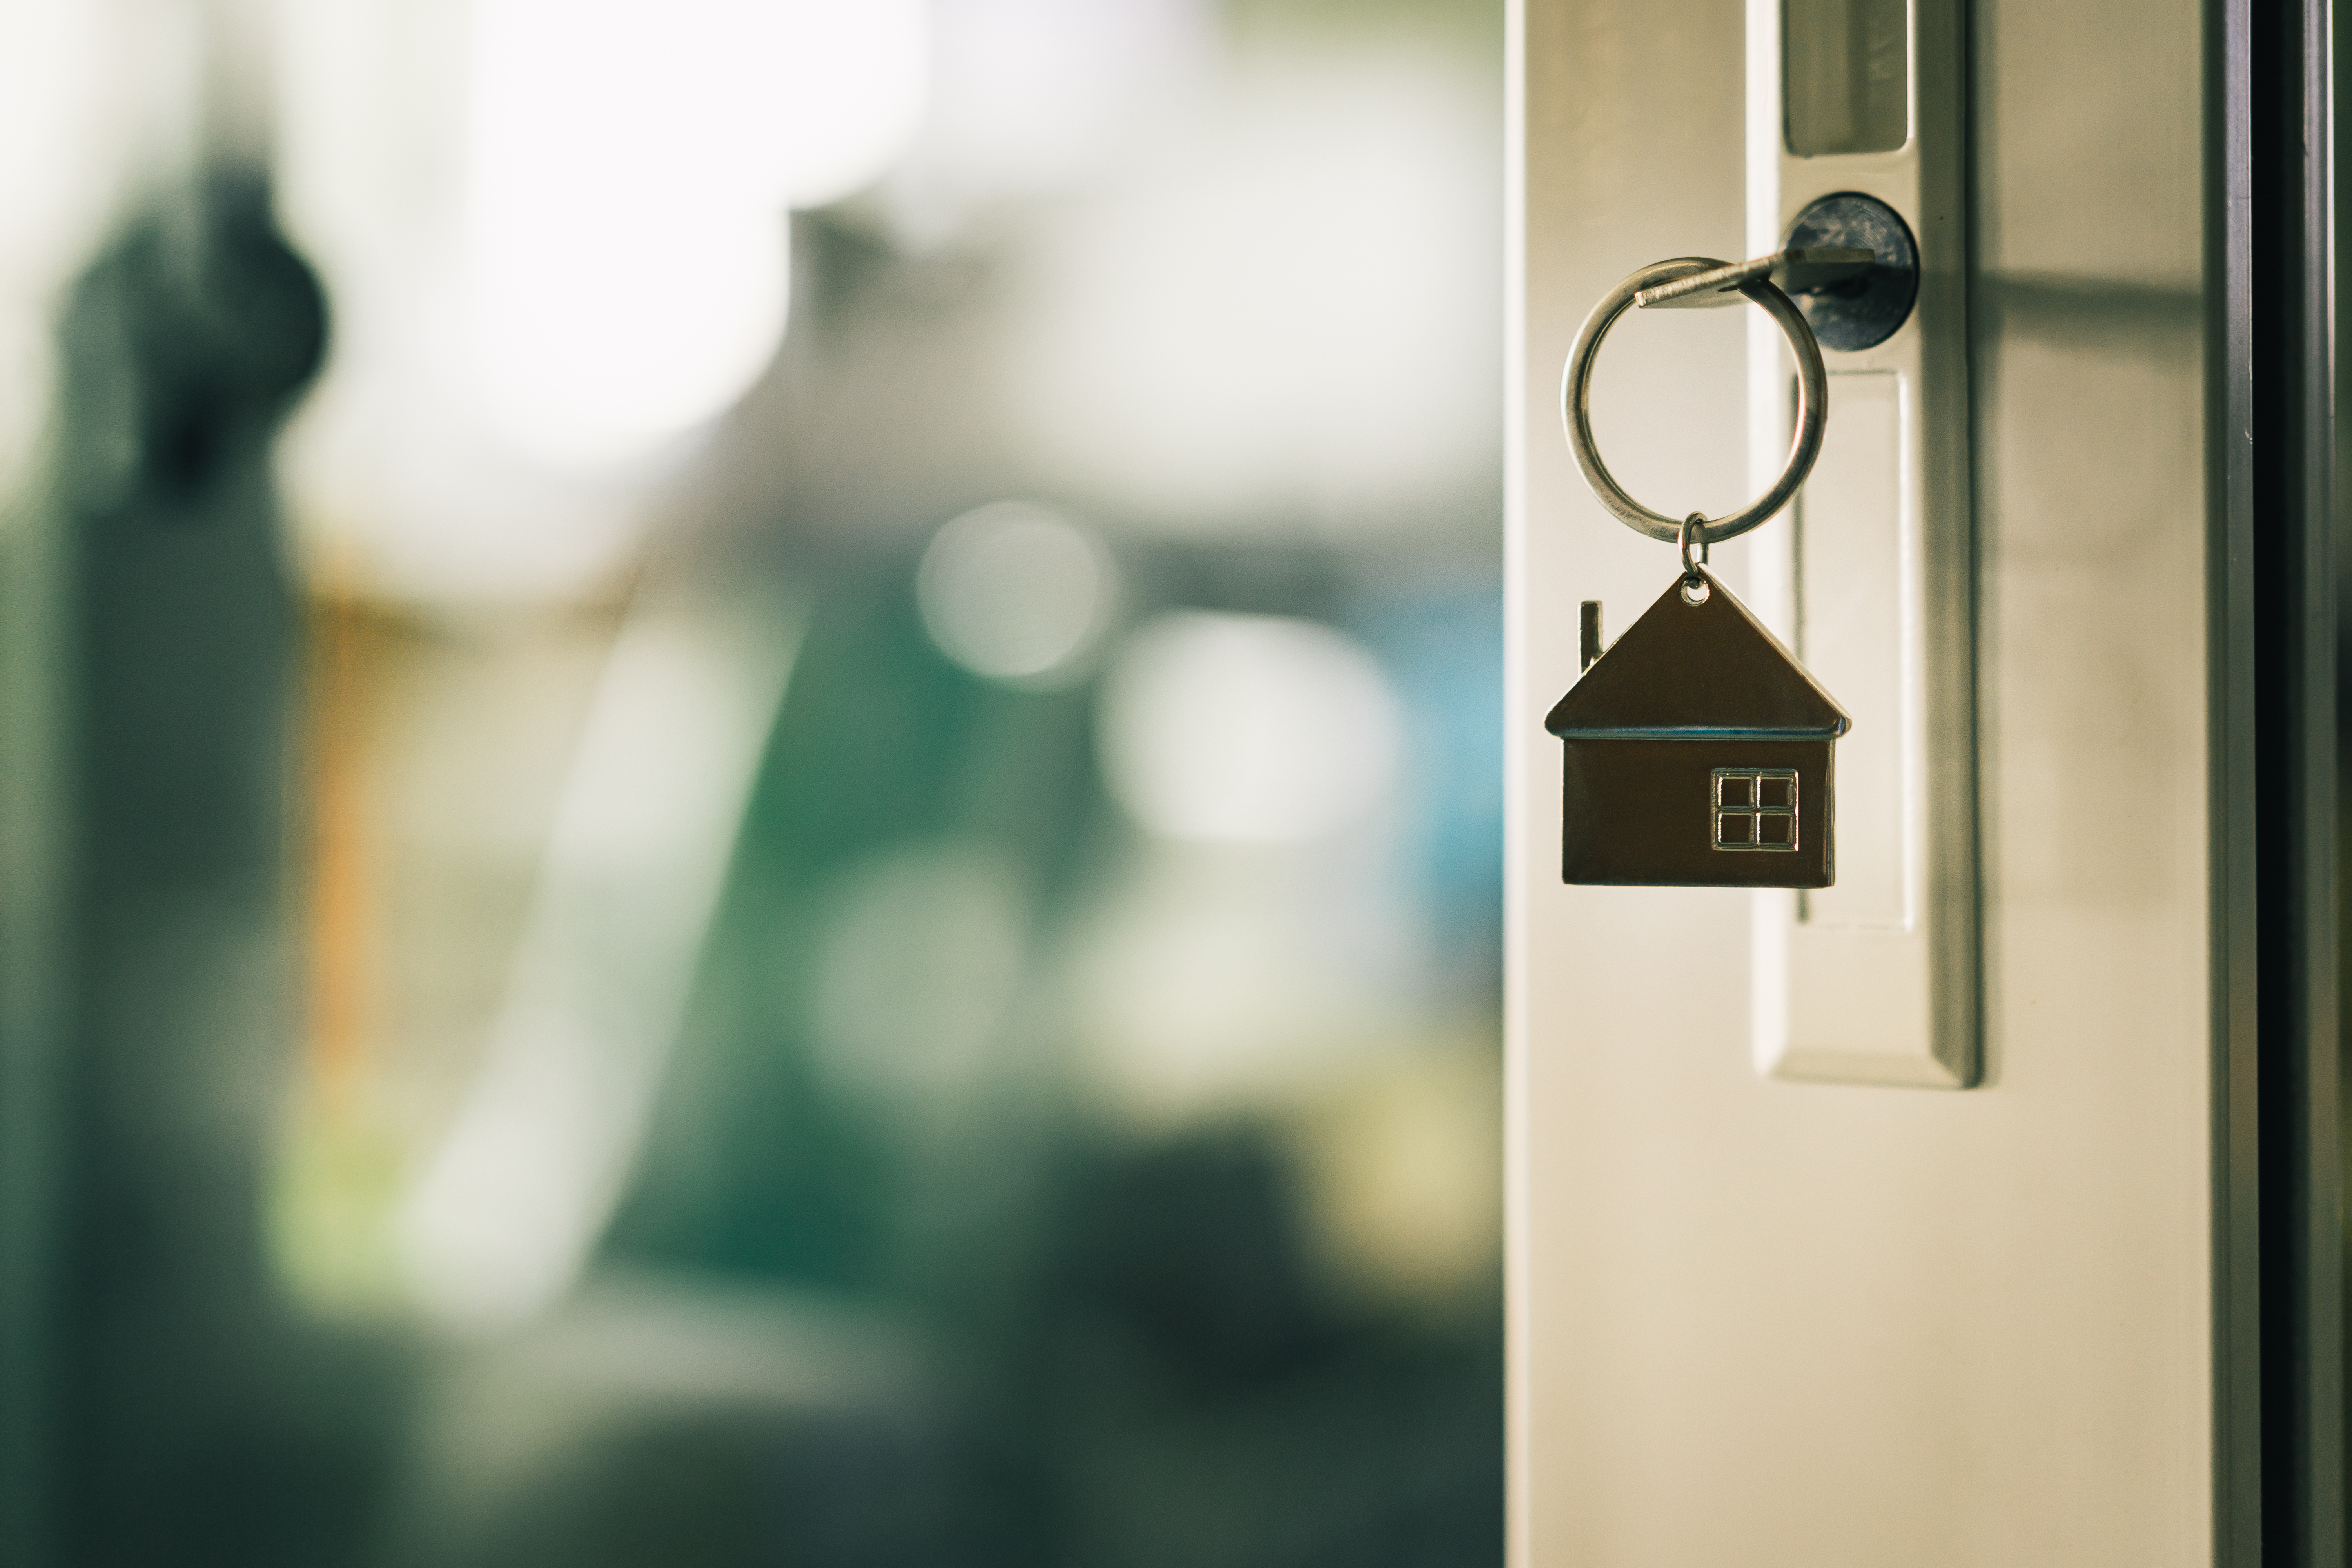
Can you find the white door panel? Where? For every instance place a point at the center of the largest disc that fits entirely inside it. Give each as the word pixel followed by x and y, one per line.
pixel 1757 1322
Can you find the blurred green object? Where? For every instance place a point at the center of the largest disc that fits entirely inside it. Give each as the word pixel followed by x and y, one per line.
pixel 172 1405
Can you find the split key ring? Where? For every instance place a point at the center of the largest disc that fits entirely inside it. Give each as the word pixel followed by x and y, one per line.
pixel 1752 279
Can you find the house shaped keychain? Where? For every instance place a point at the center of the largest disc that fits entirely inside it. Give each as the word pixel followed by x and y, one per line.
pixel 1696 750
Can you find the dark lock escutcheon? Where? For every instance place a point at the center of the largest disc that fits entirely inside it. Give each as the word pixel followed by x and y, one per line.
pixel 1865 311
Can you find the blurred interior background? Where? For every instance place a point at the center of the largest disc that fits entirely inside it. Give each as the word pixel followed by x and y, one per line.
pixel 749 782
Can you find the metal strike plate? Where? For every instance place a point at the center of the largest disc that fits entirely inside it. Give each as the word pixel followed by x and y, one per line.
pixel 1855 113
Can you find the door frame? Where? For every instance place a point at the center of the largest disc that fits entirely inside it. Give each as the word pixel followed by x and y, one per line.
pixel 2277 616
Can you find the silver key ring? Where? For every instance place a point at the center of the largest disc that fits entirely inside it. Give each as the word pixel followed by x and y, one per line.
pixel 1576 406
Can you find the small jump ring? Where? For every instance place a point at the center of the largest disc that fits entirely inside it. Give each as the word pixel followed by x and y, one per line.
pixel 1693 532
pixel 1575 403
pixel 1695 587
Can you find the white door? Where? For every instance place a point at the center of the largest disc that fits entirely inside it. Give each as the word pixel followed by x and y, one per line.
pixel 1759 1321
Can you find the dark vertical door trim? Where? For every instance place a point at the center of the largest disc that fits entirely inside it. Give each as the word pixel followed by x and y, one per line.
pixel 2278 1250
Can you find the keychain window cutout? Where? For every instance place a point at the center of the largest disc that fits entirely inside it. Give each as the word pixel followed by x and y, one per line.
pixel 1756 808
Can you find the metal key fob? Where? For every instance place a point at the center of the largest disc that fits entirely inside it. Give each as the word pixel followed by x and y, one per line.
pixel 1698 750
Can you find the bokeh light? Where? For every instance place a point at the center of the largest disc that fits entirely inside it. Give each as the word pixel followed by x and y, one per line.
pixel 1280 315
pixel 1247 729
pixel 1015 592
pixel 631 169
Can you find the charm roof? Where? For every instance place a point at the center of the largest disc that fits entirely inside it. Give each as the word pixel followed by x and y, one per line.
pixel 1697 669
